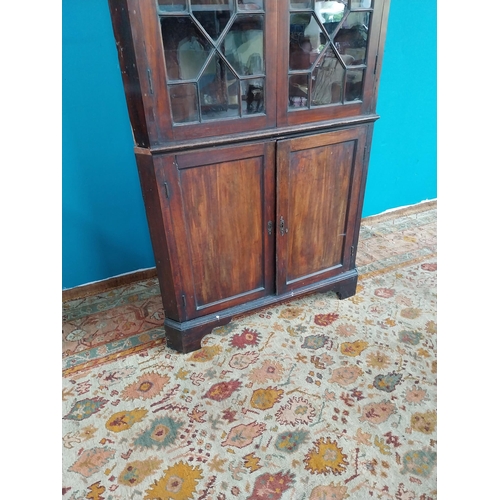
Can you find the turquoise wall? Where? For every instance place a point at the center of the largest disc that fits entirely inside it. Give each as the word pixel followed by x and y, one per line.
pixel 104 227
pixel 403 162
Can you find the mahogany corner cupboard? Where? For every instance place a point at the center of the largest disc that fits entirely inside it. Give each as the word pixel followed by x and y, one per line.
pixel 252 122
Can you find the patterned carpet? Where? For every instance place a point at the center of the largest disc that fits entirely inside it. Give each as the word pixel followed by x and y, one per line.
pixel 313 399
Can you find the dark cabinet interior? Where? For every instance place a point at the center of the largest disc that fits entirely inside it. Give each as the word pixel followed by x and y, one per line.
pixel 252 123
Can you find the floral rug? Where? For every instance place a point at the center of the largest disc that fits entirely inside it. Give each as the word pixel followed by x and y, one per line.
pixel 314 399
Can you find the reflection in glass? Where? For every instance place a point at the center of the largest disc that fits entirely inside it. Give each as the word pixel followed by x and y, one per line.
pixel 328 49
pixel 215 58
pixel 331 14
pixel 354 84
pixel 361 4
pixel 298 90
pixel 306 39
pixel 243 45
pixel 352 38
pixel 255 95
pixel 327 80
pixel 172 5
pixel 184 102
pixel 213 15
pixel 186 49
pixel 301 5
pixel 219 91
pixel 250 4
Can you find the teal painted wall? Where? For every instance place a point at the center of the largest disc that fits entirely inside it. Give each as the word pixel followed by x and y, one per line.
pixel 104 227
pixel 403 162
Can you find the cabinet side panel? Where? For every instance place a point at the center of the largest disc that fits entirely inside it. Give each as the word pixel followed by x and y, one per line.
pixel 359 186
pixel 154 213
pixel 126 57
pixel 223 209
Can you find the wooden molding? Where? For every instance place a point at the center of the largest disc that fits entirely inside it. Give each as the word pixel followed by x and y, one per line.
pixel 106 285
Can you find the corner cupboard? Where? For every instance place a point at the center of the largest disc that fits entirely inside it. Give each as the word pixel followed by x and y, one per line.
pixel 252 122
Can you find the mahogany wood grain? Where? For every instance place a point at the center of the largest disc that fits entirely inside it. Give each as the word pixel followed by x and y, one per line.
pixel 264 134
pixel 221 202
pixel 131 81
pixel 318 177
pixel 319 182
pixel 223 205
pixel 165 263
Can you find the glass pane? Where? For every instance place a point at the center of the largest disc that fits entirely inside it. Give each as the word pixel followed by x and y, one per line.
pixel 184 102
pixel 171 5
pixel 298 91
pixel 352 39
pixel 213 15
pixel 186 49
pixel 331 14
pixel 354 84
pixel 254 95
pixel 219 91
pixel 327 80
pixel 306 41
pixel 301 5
pixel 361 4
pixel 250 4
pixel 243 45
pixel 327 53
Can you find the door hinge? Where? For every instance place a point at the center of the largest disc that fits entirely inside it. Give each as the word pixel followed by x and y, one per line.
pixel 183 301
pixel 376 63
pixel 270 227
pixel 352 255
pixel 167 190
pixel 364 153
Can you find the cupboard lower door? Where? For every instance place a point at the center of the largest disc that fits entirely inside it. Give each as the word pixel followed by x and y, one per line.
pixel 319 186
pixel 220 205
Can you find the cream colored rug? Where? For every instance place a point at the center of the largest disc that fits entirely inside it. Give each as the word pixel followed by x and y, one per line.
pixel 315 399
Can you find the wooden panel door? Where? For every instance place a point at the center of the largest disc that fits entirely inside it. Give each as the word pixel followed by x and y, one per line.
pixel 221 204
pixel 319 199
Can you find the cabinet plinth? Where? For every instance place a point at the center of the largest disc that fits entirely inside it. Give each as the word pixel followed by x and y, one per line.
pixel 252 123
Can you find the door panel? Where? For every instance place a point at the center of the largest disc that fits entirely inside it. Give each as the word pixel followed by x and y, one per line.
pixel 225 199
pixel 319 180
pixel 215 74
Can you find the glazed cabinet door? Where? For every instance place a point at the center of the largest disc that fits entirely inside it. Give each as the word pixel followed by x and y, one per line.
pixel 329 62
pixel 219 214
pixel 319 184
pixel 197 68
